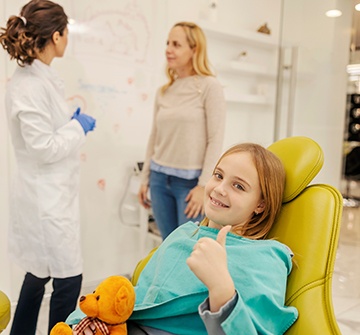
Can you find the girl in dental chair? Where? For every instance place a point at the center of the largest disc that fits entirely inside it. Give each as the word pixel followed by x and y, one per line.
pixel 222 277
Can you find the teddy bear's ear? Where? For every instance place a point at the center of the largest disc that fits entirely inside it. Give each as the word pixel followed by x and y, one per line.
pixel 125 300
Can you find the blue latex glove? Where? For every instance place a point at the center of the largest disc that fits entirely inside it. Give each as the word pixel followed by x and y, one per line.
pixel 87 122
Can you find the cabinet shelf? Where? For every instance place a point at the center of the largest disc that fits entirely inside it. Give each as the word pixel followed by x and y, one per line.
pixel 247 74
pixel 235 67
pixel 254 99
pixel 249 37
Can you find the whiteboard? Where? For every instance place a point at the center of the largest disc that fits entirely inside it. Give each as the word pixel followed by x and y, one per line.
pixel 112 67
pixel 111 71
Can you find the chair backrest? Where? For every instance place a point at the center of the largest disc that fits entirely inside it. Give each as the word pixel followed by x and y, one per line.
pixel 309 224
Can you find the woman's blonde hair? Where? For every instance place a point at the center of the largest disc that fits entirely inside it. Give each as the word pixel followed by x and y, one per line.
pixel 271 174
pixel 197 41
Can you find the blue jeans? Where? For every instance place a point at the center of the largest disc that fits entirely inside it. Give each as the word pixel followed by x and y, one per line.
pixel 168 195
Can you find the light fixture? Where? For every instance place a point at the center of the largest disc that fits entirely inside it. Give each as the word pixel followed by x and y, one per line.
pixel 333 13
pixel 353 69
pixel 77 27
pixel 357 7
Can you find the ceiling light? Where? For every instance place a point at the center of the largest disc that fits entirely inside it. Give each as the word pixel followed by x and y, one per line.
pixel 353 69
pixel 333 13
pixel 357 7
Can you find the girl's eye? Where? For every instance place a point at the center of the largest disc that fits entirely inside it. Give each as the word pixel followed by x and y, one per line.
pixel 217 175
pixel 239 187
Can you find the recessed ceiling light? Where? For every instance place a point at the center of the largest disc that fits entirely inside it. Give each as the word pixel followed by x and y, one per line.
pixel 333 13
pixel 357 7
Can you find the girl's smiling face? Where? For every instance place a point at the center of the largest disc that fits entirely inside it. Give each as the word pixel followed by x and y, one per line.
pixel 233 195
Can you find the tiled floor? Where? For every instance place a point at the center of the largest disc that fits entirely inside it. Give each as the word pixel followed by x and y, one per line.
pixel 346 279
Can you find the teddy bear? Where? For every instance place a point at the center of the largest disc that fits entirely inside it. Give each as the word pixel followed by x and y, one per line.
pixel 107 309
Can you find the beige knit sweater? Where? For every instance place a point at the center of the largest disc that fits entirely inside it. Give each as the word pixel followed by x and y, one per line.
pixel 188 126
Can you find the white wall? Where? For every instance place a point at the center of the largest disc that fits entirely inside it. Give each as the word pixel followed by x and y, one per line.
pixel 320 96
pixel 5 278
pixel 108 79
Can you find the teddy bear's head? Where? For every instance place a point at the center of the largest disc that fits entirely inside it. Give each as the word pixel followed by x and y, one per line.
pixel 112 301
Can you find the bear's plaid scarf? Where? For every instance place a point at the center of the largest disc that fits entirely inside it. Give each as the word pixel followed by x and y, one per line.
pixel 86 322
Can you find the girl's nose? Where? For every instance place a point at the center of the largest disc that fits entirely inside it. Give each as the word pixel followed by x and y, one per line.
pixel 220 189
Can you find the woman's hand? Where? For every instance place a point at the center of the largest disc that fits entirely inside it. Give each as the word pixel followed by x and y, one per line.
pixel 143 196
pixel 208 262
pixel 195 200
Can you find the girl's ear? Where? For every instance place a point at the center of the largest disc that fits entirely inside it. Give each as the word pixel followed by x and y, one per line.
pixel 55 37
pixel 261 207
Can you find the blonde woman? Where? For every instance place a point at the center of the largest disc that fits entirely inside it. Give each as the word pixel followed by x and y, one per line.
pixel 187 132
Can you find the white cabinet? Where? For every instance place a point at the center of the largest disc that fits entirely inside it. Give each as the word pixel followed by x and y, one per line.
pixel 248 37
pixel 245 63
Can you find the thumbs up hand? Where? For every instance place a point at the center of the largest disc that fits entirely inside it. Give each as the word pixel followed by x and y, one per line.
pixel 208 262
pixel 221 238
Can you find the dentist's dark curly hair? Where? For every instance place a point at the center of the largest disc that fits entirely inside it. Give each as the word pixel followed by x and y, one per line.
pixel 32 30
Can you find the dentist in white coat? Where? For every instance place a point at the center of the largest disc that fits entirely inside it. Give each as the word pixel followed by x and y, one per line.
pixel 44 232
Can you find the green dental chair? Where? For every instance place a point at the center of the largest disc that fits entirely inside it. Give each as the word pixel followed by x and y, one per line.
pixel 309 224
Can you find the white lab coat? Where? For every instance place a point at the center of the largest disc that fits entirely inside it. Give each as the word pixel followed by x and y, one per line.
pixel 44 232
